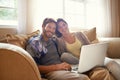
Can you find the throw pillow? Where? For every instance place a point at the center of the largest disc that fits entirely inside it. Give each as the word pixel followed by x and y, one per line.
pixel 91 34
pixel 19 39
pixel 33 33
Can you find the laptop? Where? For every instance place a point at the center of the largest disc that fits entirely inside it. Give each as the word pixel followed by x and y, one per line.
pixel 91 56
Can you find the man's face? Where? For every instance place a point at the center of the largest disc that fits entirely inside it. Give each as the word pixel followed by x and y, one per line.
pixel 49 29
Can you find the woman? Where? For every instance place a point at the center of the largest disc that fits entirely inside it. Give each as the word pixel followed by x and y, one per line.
pixel 72 42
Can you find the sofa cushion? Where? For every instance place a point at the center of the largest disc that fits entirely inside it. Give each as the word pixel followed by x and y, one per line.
pixel 117 60
pixel 91 34
pixel 18 39
pixel 113 47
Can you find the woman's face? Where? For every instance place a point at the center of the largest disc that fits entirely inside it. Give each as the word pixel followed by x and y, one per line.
pixel 63 28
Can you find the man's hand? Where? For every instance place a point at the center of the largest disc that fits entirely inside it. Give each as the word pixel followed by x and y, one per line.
pixel 56 67
pixel 63 66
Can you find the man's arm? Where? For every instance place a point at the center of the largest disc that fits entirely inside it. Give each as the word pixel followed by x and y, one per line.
pixel 46 69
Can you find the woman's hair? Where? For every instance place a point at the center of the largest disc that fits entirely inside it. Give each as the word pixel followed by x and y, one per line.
pixel 48 20
pixel 61 20
pixel 58 34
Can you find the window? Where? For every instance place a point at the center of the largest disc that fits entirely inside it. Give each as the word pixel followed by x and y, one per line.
pixel 80 14
pixel 8 12
pixel 73 11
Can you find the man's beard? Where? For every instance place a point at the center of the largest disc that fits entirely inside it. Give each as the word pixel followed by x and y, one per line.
pixel 48 34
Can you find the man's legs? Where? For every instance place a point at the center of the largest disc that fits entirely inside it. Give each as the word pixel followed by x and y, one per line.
pixel 97 73
pixel 100 73
pixel 113 67
pixel 66 75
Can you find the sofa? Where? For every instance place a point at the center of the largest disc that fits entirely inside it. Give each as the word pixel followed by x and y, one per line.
pixel 17 64
pixel 113 51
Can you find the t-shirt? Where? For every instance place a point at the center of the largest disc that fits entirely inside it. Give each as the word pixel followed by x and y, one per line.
pixel 52 55
pixel 74 48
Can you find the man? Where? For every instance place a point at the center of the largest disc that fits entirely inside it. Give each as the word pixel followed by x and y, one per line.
pixel 44 51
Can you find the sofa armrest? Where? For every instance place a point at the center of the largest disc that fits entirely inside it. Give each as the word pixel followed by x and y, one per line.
pixel 17 64
pixel 113 47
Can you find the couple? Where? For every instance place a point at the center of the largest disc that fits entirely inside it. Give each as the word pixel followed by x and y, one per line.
pixel 49 53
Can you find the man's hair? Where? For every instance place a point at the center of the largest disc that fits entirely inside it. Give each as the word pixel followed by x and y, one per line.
pixel 48 20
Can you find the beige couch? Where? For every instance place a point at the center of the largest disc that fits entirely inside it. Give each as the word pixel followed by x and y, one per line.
pixel 17 64
pixel 113 48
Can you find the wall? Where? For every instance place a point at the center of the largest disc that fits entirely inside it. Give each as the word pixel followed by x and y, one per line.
pixel 33 16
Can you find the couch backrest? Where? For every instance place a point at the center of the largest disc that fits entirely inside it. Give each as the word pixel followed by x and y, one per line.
pixel 113 48
pixel 4 31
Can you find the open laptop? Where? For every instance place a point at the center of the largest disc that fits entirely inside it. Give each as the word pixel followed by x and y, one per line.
pixel 91 56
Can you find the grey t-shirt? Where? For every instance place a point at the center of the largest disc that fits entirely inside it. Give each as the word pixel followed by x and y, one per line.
pixel 51 57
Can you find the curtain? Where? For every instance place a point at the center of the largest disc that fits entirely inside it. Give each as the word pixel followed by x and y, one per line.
pixel 115 18
pixel 112 18
pixel 22 12
pixel 105 16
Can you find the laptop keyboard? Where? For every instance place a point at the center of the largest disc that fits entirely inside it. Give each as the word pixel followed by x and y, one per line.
pixel 74 68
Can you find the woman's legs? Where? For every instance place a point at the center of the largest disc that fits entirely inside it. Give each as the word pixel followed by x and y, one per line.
pixel 69 58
